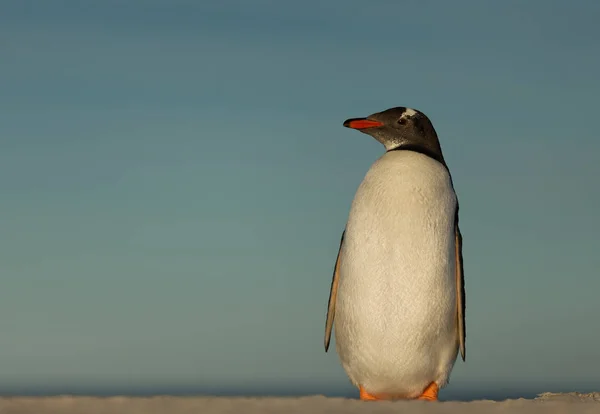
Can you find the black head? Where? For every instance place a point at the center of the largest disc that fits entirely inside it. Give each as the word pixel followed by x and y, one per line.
pixel 400 128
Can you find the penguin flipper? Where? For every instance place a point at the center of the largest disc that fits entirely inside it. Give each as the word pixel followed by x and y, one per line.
pixel 460 288
pixel 333 296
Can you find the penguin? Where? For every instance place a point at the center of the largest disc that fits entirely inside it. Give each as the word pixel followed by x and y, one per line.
pixel 397 294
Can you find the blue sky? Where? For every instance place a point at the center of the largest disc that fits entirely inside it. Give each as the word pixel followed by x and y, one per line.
pixel 175 178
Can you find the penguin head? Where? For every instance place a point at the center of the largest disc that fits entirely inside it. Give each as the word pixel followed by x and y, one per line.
pixel 399 128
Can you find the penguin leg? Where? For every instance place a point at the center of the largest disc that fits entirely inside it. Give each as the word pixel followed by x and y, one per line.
pixel 430 393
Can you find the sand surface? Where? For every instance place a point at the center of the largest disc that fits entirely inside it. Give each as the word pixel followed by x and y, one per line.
pixel 570 403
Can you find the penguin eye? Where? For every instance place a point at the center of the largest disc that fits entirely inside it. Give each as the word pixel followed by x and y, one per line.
pixel 402 121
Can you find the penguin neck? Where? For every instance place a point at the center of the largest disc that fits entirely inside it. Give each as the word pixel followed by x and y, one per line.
pixel 421 149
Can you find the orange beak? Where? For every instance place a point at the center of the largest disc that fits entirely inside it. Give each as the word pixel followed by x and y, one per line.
pixel 362 123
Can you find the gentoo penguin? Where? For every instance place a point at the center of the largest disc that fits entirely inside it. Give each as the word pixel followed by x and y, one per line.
pixel 397 293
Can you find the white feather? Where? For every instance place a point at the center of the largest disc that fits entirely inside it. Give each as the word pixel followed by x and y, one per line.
pixel 408 112
pixel 395 321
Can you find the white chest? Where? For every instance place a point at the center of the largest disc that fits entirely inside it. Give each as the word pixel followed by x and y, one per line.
pixel 395 314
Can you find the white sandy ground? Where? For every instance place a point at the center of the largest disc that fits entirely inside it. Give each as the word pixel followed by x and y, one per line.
pixel 569 403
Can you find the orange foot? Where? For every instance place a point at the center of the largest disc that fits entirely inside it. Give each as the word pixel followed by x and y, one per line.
pixel 365 396
pixel 430 394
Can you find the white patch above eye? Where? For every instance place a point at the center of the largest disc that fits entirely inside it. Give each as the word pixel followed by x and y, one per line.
pixel 408 113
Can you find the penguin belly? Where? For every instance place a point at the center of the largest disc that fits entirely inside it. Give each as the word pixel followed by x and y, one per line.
pixel 396 320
